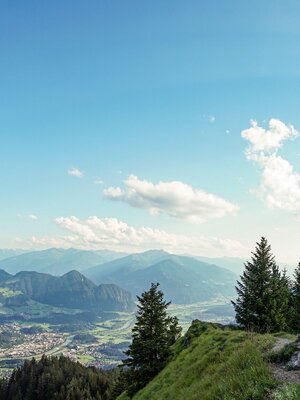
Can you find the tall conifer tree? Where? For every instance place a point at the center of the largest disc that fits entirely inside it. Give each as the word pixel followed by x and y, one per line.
pixel 152 336
pixel 254 302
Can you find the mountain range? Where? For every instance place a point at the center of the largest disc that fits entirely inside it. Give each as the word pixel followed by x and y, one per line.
pixel 183 279
pixel 6 253
pixel 55 261
pixel 72 290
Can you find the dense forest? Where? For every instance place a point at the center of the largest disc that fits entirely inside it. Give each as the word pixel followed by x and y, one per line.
pixel 53 378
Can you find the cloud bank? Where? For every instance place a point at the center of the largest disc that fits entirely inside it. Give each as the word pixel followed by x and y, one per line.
pixel 175 199
pixel 110 233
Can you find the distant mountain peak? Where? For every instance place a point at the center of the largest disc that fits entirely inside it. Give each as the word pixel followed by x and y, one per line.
pixel 155 251
pixel 183 279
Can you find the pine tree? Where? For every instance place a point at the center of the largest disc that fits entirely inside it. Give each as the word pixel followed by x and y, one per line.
pixel 152 336
pixel 255 304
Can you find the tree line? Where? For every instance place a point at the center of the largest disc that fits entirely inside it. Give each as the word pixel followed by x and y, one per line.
pixel 57 378
pixel 267 299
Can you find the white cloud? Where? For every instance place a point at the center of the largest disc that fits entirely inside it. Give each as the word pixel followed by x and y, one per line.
pixel 110 233
pixel 280 183
pixel 268 140
pixel 175 198
pixel 75 172
pixel 114 193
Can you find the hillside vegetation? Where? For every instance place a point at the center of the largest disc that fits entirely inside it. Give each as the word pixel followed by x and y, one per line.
pixel 219 363
pixel 235 363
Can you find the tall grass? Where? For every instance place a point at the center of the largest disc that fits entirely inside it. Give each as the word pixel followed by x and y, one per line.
pixel 219 364
pixel 288 392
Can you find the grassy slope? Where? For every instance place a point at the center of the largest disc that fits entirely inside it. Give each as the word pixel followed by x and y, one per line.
pixel 219 363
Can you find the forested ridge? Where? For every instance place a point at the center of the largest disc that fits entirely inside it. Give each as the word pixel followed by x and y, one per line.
pixel 57 378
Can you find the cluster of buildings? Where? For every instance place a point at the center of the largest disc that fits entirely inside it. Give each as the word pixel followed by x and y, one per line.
pixel 31 345
pixel 23 345
pixel 93 353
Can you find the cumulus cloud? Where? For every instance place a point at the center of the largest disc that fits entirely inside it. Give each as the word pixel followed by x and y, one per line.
pixel 113 234
pixel 268 140
pixel 75 172
pixel 175 198
pixel 280 183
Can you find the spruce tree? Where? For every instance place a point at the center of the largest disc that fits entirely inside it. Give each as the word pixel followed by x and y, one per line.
pixel 255 305
pixel 153 334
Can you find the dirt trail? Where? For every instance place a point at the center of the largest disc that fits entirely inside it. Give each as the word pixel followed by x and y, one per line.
pixel 280 343
pixel 285 376
pixel 280 372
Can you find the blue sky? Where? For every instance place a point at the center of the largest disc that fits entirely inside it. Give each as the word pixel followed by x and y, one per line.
pixel 157 90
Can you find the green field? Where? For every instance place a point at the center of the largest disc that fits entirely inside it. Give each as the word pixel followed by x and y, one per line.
pixel 5 292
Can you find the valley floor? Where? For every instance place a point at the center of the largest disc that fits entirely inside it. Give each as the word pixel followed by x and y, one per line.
pixel 111 336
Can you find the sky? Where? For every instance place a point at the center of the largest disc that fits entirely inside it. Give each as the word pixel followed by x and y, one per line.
pixel 134 125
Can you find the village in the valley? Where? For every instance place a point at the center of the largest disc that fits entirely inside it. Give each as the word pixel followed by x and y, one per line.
pixel 18 344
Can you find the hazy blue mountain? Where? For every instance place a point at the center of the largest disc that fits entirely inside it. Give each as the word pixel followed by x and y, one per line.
pixel 72 290
pixel 109 255
pixel 3 275
pixel 57 261
pixel 130 263
pixel 6 253
pixel 236 265
pixel 183 279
